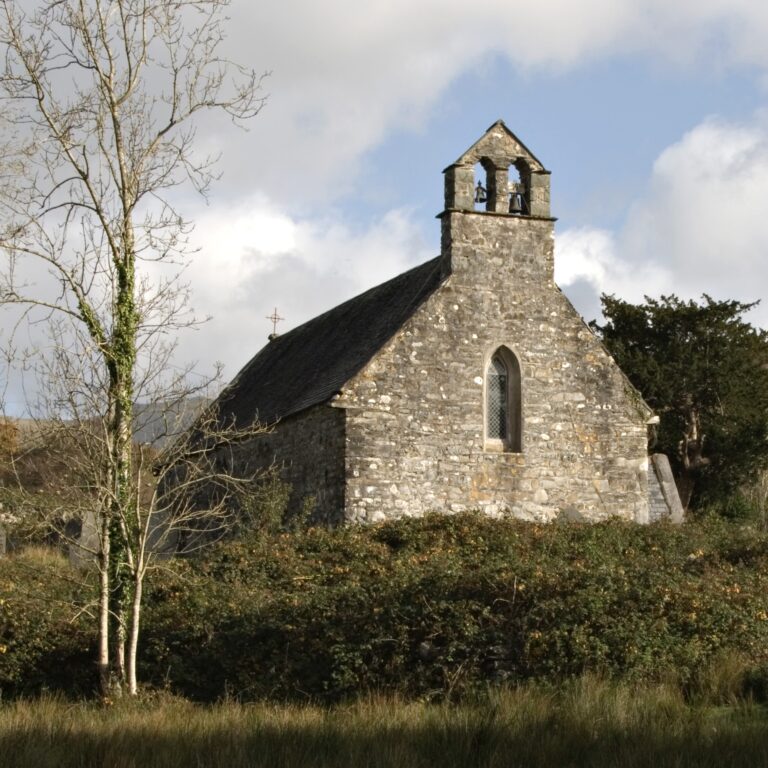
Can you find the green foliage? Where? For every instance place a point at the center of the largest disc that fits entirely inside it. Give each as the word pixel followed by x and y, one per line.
pixel 45 633
pixel 445 606
pixel 264 507
pixel 433 608
pixel 704 370
pixel 736 507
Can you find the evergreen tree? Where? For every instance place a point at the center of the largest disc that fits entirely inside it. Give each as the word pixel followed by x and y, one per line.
pixel 704 370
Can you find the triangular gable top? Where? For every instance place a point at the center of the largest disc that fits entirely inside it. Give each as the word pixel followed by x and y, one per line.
pixel 636 395
pixel 499 145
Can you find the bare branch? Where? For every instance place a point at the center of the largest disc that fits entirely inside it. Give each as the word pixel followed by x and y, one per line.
pixel 100 102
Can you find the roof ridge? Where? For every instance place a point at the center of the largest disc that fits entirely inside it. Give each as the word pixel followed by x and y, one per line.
pixel 310 363
pixel 354 299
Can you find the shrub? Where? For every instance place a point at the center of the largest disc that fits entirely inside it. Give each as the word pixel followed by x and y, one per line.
pixel 445 606
pixel 45 632
pixel 439 607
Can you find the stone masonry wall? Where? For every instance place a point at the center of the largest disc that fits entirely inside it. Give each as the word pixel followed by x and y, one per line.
pixel 308 451
pixel 415 413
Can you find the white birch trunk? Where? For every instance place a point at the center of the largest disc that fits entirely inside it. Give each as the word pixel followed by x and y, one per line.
pixel 104 598
pixel 133 638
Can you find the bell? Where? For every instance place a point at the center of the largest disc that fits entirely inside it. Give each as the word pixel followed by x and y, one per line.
pixel 516 203
pixel 480 194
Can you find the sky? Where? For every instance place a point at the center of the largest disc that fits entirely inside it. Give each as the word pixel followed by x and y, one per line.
pixel 651 115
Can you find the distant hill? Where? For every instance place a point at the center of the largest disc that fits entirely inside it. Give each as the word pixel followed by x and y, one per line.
pixel 157 423
pixel 154 424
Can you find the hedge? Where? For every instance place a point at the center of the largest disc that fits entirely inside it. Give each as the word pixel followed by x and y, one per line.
pixel 444 606
pixel 439 607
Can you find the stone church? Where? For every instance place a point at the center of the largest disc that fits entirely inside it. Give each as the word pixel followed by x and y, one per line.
pixel 469 382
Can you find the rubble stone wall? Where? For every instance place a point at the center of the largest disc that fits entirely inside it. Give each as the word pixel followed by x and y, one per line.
pixel 415 414
pixel 307 451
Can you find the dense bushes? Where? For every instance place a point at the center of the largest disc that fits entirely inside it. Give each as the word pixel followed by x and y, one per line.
pixel 46 626
pixel 446 605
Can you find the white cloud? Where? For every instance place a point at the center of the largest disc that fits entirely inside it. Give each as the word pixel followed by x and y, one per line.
pixel 585 254
pixel 705 217
pixel 253 258
pixel 346 74
pixel 701 228
pixel 589 262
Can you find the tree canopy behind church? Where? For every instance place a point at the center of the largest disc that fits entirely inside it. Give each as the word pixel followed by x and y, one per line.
pixel 704 371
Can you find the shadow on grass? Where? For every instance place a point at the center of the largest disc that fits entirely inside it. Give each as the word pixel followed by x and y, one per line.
pixel 401 736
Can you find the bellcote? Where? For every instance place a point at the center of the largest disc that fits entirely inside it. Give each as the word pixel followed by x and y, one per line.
pixel 516 183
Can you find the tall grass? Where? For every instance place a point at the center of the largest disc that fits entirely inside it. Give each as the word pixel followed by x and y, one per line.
pixel 588 722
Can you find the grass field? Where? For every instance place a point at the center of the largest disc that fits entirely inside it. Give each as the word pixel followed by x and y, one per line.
pixel 585 723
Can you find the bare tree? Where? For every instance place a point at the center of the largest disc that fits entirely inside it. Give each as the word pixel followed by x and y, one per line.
pixel 100 101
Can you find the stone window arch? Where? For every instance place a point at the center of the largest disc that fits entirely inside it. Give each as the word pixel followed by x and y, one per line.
pixel 503 402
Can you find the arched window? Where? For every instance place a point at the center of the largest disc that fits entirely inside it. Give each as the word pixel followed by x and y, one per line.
pixel 497 399
pixel 503 416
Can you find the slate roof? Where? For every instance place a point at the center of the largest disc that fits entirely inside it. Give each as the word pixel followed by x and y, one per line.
pixel 311 363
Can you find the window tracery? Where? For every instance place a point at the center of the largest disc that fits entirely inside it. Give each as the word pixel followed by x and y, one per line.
pixel 503 402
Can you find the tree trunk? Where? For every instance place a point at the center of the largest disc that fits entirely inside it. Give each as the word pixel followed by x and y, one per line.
pixel 685 484
pixel 133 638
pixel 119 576
pixel 104 602
pixel 692 457
pixel 121 363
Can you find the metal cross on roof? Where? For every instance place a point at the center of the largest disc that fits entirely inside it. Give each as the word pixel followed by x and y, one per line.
pixel 275 318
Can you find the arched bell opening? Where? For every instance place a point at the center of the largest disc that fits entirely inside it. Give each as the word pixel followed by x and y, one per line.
pixel 481 187
pixel 519 189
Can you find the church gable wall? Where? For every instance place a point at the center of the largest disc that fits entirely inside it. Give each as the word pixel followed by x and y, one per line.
pixel 307 451
pixel 415 435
